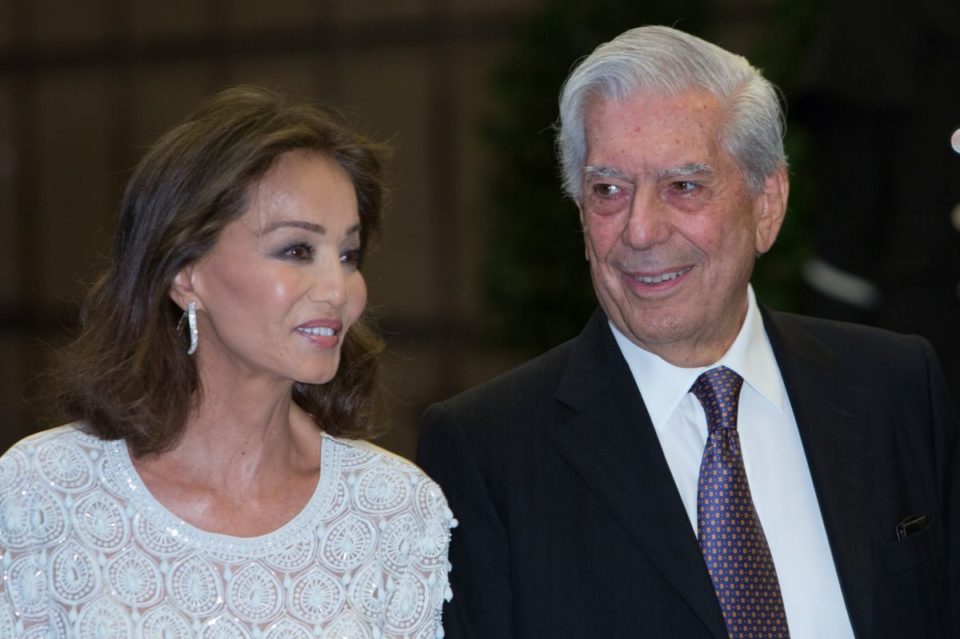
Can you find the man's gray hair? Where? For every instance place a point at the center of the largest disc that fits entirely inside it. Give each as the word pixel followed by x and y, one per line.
pixel 661 60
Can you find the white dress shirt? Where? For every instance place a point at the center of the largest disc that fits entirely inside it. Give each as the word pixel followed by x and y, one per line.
pixel 775 463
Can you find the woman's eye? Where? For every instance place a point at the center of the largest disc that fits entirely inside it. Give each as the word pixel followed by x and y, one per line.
pixel 300 251
pixel 353 257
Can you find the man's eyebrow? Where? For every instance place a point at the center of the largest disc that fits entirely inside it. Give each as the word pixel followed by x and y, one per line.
pixel 594 171
pixel 683 170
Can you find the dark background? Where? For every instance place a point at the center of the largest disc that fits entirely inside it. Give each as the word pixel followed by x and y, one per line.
pixel 480 263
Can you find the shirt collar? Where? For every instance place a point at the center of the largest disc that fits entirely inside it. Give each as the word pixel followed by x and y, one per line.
pixel 663 386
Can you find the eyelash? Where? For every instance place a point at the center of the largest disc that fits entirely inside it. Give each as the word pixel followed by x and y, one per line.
pixel 611 191
pixel 684 186
pixel 351 257
pixel 288 251
pixel 607 190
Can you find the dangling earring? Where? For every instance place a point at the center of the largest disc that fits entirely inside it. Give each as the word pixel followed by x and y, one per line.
pixel 191 316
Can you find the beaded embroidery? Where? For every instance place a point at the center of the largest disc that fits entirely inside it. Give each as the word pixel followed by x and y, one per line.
pixel 86 551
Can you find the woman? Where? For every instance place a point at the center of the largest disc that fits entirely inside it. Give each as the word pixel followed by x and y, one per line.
pixel 212 482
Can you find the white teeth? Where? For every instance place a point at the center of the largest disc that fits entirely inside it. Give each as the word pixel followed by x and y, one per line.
pixel 326 332
pixel 663 277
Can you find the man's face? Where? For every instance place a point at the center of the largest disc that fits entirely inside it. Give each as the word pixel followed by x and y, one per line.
pixel 671 229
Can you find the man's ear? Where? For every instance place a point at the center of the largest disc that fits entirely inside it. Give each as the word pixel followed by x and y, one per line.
pixel 772 208
pixel 182 291
pixel 583 230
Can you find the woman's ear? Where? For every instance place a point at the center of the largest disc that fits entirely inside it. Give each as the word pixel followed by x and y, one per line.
pixel 182 291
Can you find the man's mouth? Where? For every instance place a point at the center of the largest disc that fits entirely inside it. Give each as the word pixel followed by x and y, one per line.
pixel 662 277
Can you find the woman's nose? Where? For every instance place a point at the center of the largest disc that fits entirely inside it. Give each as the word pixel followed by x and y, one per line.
pixel 329 286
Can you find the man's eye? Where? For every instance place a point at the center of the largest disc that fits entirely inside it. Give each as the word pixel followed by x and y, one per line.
pixel 607 190
pixel 684 186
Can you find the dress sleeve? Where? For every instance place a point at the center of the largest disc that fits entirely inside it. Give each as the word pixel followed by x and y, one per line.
pixel 415 603
pixel 479 553
pixel 23 572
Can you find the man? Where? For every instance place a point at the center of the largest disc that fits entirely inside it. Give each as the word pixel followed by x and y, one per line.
pixel 613 488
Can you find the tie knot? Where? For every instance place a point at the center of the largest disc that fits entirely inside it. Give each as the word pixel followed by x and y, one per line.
pixel 718 390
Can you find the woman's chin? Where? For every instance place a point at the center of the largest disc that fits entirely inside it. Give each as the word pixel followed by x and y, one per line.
pixel 317 378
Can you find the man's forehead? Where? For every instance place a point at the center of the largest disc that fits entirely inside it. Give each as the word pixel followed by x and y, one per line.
pixel 662 135
pixel 651 97
pixel 689 118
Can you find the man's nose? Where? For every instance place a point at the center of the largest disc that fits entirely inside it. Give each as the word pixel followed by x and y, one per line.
pixel 648 222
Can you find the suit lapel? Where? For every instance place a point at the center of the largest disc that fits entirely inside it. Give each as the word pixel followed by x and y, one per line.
pixel 830 419
pixel 612 445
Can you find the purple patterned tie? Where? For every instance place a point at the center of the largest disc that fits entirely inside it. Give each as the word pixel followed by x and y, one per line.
pixel 730 533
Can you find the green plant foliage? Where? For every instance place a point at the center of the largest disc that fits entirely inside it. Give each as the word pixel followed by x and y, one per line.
pixel 776 277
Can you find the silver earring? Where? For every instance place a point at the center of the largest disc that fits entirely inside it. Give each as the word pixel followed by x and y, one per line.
pixel 191 315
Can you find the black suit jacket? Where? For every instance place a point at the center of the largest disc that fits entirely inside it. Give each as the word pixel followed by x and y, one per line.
pixel 571 524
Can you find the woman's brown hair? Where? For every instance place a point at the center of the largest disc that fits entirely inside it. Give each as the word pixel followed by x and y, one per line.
pixel 127 375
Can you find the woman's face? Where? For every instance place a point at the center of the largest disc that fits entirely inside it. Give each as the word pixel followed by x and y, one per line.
pixel 281 286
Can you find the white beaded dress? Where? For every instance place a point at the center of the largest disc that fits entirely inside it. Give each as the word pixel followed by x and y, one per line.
pixel 87 552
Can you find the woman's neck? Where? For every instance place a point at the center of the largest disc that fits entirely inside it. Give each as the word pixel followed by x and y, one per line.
pixel 243 454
